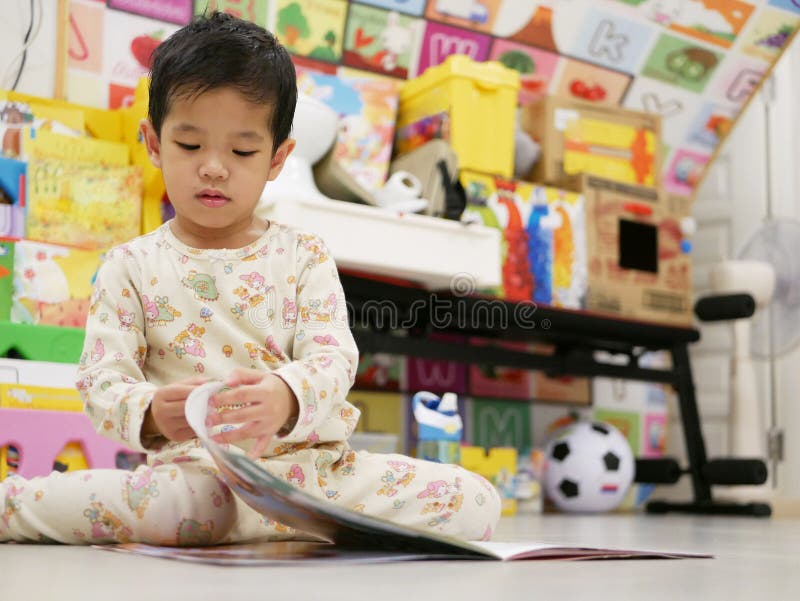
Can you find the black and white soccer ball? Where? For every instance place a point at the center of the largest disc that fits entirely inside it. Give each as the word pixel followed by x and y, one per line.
pixel 589 467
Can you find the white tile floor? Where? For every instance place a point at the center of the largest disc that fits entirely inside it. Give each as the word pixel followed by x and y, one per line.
pixel 754 559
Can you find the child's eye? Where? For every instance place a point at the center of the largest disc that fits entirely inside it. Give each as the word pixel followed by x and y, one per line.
pixel 188 146
pixel 245 153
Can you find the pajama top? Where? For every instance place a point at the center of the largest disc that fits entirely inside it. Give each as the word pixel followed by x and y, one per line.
pixel 162 312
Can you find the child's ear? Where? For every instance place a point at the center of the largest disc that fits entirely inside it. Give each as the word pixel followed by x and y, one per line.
pixel 151 141
pixel 279 158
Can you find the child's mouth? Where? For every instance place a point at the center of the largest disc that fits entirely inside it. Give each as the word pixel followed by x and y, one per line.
pixel 212 199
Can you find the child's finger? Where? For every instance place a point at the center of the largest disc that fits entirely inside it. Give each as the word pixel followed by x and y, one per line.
pixel 241 395
pixel 248 413
pixel 262 442
pixel 183 434
pixel 194 381
pixel 243 376
pixel 176 392
pixel 247 431
pixel 175 409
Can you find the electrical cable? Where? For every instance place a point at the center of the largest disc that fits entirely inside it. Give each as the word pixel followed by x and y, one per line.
pixel 30 37
pixel 24 52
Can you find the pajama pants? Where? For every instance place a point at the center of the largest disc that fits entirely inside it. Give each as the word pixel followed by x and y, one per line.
pixel 182 500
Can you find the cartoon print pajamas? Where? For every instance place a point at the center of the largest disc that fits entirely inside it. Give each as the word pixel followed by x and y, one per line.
pixel 162 312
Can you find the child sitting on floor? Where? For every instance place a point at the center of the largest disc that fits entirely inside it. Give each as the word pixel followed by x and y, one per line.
pixel 218 294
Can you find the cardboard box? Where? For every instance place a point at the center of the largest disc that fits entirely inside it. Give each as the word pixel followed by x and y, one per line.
pixel 637 265
pixel 544 249
pixel 582 137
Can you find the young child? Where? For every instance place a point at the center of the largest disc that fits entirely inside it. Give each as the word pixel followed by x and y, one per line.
pixel 217 294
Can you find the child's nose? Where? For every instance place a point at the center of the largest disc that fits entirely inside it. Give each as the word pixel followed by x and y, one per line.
pixel 212 168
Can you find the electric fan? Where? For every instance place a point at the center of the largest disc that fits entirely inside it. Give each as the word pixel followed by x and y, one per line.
pixel 773 330
pixel 776 331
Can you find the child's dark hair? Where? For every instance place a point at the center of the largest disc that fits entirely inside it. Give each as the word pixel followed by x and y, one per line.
pixel 220 50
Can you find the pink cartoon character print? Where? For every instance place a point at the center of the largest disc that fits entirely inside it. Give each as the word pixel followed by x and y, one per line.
pixel 99 351
pixel 296 476
pixel 288 313
pixel 400 473
pixel 326 340
pixel 253 279
pixel 309 404
pixel 106 525
pixel 138 490
pixel 127 320
pixel 150 310
pixel 447 499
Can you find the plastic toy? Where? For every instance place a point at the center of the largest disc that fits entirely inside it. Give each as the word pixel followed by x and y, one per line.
pixel 589 467
pixel 40 436
pixel 439 427
pixel 43 428
pixel 499 466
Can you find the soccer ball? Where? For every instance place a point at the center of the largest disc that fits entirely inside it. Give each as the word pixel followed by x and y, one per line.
pixel 589 467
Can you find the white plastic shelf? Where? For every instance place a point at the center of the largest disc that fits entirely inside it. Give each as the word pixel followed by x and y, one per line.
pixel 431 251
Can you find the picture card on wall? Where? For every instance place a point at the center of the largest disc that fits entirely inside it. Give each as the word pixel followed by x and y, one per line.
pixel 85 45
pixel 440 41
pixel 682 63
pixel 675 106
pixel 529 23
pixel 711 124
pixel 380 41
pixel 585 81
pixel 496 423
pixel 470 14
pixel 536 67
pixel 790 5
pixel 255 11
pixel 738 79
pixel 171 11
pixel 627 422
pixel 685 171
pixel 410 7
pixel 769 34
pixel 380 371
pixel 717 22
pixel 312 28
pixel 129 41
pixel 612 41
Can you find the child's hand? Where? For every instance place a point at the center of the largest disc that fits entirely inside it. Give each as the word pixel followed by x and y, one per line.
pixel 263 403
pixel 166 414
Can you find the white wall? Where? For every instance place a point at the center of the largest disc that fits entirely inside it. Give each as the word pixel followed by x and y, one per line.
pixel 744 186
pixel 38 76
pixel 784 128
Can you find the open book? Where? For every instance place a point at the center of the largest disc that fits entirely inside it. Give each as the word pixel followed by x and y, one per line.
pixel 344 535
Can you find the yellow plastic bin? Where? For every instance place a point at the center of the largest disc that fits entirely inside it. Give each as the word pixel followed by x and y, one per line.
pixel 43 398
pixel 467 103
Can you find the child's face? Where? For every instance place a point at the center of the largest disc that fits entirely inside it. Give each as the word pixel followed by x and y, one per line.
pixel 215 152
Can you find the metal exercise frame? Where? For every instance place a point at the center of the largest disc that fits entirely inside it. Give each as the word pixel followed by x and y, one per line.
pixel 395 318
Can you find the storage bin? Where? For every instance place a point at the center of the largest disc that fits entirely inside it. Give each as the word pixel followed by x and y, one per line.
pixel 472 105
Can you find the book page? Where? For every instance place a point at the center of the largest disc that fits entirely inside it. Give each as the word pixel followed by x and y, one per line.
pixel 279 500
